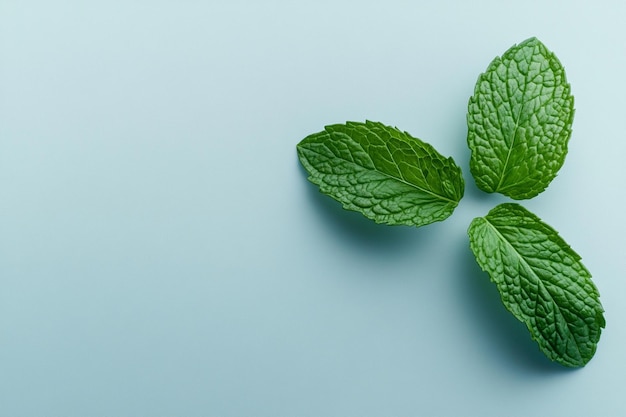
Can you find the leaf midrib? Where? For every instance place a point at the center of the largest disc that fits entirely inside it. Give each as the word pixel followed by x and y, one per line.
pixel 539 281
pixel 402 180
pixel 517 120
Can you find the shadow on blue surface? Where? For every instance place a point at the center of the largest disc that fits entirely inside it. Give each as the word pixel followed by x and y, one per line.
pixel 504 338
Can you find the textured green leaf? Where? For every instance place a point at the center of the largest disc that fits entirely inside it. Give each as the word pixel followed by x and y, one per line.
pixel 384 173
pixel 520 121
pixel 541 281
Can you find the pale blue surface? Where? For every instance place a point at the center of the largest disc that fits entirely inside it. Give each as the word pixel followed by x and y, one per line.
pixel 161 252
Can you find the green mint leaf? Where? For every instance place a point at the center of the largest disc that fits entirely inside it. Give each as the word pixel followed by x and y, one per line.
pixel 541 282
pixel 383 173
pixel 519 121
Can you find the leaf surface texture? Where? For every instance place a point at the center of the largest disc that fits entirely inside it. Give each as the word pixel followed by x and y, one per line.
pixel 383 173
pixel 541 280
pixel 520 121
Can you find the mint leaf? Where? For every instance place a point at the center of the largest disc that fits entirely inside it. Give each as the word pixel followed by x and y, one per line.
pixel 519 121
pixel 541 281
pixel 383 173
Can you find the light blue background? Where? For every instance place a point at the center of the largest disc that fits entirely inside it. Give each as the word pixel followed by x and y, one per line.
pixel 161 252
